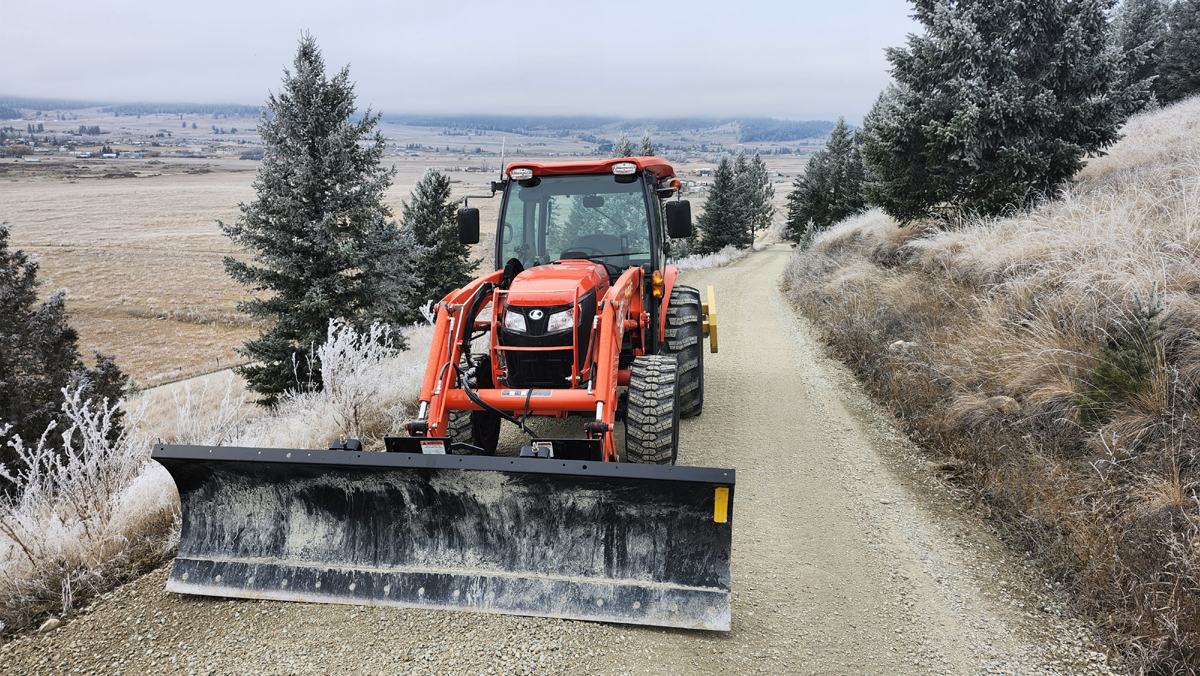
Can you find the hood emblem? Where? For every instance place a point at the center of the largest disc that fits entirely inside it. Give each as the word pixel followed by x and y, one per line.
pixel 535 315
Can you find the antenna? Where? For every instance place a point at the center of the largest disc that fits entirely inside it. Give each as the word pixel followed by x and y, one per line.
pixel 502 141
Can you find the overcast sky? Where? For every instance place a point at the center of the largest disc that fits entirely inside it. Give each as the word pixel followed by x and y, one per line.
pixel 797 59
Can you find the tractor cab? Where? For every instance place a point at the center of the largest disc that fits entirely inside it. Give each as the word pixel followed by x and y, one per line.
pixel 585 219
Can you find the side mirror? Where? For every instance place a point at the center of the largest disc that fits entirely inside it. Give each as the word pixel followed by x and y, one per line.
pixel 679 219
pixel 468 226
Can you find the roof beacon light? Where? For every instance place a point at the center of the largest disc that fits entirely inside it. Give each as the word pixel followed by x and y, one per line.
pixel 624 168
pixel 520 174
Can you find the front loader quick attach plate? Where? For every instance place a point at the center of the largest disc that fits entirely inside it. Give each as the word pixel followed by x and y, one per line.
pixel 615 542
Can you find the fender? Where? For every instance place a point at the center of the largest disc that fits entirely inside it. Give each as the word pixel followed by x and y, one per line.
pixel 669 274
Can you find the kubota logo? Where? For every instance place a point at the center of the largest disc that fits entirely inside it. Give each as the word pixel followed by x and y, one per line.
pixel 536 314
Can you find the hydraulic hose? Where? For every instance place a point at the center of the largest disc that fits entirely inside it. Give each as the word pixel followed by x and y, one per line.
pixel 468 322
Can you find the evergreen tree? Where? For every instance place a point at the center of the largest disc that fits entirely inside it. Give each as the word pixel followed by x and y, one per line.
pixel 995 105
pixel 319 233
pixel 720 224
pixel 442 264
pixel 755 194
pixel 1179 68
pixel 645 148
pixel 623 148
pixel 831 188
pixel 1139 27
pixel 39 356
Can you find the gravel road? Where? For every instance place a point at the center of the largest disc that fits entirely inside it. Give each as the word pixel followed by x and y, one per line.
pixel 849 558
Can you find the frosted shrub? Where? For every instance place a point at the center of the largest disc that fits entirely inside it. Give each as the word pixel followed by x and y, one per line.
pixel 201 421
pixel 718 259
pixel 353 375
pixel 77 520
pixel 370 389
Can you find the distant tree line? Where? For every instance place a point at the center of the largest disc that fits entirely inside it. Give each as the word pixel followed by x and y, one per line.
pixel 93 130
pixel 7 112
pixel 221 109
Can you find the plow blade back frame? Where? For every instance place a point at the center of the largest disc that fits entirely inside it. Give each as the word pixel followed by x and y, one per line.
pixel 615 542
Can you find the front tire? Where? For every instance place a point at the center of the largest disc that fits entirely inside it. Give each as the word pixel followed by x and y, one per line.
pixel 652 414
pixel 684 334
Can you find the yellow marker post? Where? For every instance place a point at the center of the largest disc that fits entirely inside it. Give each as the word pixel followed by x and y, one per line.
pixel 709 324
pixel 721 505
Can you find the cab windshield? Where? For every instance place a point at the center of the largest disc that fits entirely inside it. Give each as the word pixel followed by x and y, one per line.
pixel 557 217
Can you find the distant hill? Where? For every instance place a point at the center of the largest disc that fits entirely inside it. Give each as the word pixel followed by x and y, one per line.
pixel 11 104
pixel 768 129
pixel 750 129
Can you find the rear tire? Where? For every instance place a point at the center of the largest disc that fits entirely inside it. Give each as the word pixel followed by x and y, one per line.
pixel 684 335
pixel 652 415
pixel 478 428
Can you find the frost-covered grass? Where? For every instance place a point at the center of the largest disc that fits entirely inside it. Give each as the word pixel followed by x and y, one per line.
pixel 82 522
pixel 989 340
pixel 718 259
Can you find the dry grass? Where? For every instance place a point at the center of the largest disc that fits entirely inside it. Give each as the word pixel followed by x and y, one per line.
pixel 983 340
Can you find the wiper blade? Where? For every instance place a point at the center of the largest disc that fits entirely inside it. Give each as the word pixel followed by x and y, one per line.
pixel 627 253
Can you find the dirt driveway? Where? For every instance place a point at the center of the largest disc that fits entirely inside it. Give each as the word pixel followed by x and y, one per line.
pixel 848 559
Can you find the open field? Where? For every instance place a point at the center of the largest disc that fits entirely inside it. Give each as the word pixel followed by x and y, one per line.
pixel 136 241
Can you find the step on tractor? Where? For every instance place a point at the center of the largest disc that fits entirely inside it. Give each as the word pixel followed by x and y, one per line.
pixel 581 320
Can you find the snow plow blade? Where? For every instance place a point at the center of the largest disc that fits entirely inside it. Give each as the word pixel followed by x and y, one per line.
pixel 613 542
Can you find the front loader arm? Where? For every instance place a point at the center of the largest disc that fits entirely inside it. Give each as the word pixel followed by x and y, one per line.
pixel 446 351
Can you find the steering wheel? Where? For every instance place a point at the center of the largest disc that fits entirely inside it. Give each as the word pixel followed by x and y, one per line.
pixel 585 249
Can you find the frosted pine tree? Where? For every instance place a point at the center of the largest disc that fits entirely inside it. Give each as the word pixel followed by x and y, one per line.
pixel 994 105
pixel 757 195
pixel 1179 67
pixel 319 238
pixel 721 225
pixel 1139 27
pixel 830 189
pixel 645 148
pixel 39 356
pixel 442 264
pixel 623 148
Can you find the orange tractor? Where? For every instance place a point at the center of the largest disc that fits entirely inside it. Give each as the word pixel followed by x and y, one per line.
pixel 581 319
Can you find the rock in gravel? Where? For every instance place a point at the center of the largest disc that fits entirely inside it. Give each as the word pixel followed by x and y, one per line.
pixel 50 625
pixel 1005 405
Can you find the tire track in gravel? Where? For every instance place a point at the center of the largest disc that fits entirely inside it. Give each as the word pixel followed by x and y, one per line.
pixel 848 559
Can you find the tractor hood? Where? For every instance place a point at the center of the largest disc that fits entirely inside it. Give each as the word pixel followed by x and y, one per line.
pixel 558 283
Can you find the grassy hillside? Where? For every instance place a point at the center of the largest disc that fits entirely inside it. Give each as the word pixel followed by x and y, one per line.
pixel 1051 363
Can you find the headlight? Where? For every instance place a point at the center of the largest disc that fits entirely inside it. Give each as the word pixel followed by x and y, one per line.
pixel 560 321
pixel 515 321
